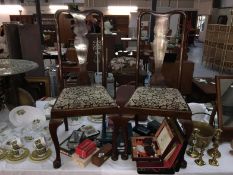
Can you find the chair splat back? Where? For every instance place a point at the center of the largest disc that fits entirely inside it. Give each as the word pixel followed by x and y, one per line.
pixel 72 28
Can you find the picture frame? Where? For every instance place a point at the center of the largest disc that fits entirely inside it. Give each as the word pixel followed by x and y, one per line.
pixel 164 137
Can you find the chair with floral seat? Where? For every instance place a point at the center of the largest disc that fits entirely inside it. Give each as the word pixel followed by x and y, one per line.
pixel 79 100
pixel 158 99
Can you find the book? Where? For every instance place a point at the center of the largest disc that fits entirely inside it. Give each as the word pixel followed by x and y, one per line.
pixel 64 149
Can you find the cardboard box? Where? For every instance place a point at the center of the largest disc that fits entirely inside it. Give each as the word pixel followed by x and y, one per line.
pixel 83 162
pixel 85 148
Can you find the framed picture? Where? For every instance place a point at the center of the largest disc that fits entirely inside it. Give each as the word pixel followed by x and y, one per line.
pixel 224 94
pixel 164 137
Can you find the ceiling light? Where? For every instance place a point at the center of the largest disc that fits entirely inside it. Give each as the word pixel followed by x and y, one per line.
pixel 10 9
pixel 54 8
pixel 122 9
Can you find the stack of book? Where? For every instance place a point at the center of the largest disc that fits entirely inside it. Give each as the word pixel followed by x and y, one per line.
pixel 161 153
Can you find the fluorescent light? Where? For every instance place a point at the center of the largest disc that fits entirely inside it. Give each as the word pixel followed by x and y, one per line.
pixel 122 9
pixel 54 8
pixel 10 9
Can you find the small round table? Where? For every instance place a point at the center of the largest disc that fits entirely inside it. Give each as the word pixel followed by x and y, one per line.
pixel 9 82
pixel 10 67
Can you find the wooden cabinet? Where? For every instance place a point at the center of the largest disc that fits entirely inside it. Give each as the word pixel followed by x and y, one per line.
pixel 48 22
pixel 120 23
pixel 24 19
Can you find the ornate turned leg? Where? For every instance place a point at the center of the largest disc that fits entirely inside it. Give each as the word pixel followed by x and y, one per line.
pixel 53 125
pixel 66 124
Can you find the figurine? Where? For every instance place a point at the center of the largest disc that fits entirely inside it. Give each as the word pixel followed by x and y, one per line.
pixel 214 151
pixel 107 27
pixel 192 152
pixel 200 161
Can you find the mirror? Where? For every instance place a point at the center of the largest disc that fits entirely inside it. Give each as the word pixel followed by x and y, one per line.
pixel 225 105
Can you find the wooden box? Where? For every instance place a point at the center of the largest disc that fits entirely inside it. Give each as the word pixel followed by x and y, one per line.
pixel 102 155
pixel 155 147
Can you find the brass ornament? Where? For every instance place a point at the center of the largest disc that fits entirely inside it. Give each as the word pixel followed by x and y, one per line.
pixel 200 160
pixel 192 151
pixel 214 152
pixel 214 161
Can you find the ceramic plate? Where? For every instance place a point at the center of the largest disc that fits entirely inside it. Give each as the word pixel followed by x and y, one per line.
pixel 199 108
pixel 72 121
pixel 24 115
pixel 95 118
pixel 157 118
pixel 35 157
pixel 12 158
pixel 3 153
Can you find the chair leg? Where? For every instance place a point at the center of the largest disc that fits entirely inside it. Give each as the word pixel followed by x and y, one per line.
pixel 136 120
pixel 115 134
pixel 211 121
pixel 124 130
pixel 53 125
pixel 104 126
pixel 66 124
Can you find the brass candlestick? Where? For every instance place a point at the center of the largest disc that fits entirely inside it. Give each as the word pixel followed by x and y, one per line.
pixel 200 160
pixel 214 161
pixel 214 151
pixel 192 151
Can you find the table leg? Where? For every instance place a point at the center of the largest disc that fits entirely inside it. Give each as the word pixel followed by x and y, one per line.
pixel 53 125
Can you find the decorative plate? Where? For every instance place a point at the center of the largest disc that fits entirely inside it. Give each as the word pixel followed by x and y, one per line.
pixel 36 157
pixel 3 153
pixel 24 115
pixel 95 118
pixel 72 121
pixel 199 112
pixel 14 158
pixel 157 118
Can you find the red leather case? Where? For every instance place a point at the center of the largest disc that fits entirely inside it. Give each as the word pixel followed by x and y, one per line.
pixel 85 148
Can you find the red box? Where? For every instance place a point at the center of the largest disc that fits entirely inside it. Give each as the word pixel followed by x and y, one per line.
pixel 86 148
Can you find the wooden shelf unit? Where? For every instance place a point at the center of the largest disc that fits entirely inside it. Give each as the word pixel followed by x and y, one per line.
pixel 218 47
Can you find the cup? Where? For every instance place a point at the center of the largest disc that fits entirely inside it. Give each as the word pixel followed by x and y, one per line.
pixel 41 151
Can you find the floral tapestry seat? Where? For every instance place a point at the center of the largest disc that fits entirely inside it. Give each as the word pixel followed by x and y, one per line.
pixel 166 102
pixel 84 97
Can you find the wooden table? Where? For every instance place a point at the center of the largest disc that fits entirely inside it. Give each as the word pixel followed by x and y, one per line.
pixel 12 75
pixel 205 89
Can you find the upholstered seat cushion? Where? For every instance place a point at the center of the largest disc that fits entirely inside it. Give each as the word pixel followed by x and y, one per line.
pixel 82 97
pixel 158 98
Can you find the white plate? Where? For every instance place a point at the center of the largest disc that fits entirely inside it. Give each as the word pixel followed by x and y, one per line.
pixel 157 118
pixel 23 115
pixel 95 118
pixel 199 108
pixel 72 121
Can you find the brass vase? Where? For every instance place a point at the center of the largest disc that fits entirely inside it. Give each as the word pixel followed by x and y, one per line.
pixel 159 47
pixel 80 41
